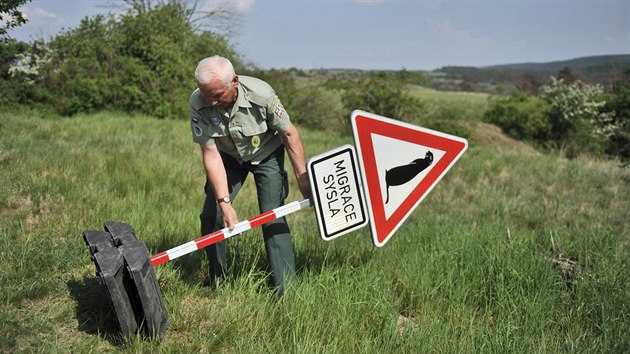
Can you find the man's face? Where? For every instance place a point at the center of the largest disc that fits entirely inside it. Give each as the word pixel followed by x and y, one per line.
pixel 218 94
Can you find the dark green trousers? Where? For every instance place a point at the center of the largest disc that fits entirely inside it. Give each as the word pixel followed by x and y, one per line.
pixel 272 189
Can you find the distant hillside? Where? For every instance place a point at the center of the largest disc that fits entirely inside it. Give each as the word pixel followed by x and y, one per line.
pixel 578 63
pixel 594 69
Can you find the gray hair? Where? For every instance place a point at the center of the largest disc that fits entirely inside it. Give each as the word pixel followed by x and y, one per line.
pixel 214 67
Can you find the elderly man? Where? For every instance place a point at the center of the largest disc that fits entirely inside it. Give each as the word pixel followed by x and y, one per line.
pixel 243 128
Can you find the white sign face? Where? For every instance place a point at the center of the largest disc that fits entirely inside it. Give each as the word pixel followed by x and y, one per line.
pixel 337 192
pixel 387 164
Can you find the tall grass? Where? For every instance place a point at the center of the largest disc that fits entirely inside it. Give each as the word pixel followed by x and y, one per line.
pixel 478 267
pixel 442 105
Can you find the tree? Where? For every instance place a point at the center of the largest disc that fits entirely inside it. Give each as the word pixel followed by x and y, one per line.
pixel 10 17
pixel 136 62
pixel 382 94
pixel 201 16
pixel 413 77
pixel 576 118
pixel 567 75
pixel 527 83
pixel 8 53
pixel 618 105
pixel 521 116
pixel 578 123
pixel 13 85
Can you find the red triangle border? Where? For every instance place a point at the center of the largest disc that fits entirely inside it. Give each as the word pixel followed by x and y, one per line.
pixel 364 127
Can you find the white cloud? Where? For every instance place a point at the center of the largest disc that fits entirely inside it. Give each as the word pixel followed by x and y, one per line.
pixel 245 5
pixel 39 17
pixel 233 5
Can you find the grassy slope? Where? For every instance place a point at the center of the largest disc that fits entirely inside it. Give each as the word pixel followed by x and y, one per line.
pixel 471 270
pixel 451 105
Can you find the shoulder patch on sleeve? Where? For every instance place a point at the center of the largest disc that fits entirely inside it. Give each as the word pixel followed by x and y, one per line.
pixel 276 107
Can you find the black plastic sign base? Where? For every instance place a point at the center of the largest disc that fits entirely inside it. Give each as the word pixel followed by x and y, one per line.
pixel 123 267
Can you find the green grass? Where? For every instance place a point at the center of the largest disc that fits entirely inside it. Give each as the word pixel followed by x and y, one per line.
pixel 472 270
pixel 458 106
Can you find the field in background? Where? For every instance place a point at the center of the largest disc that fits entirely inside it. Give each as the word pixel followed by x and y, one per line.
pixel 514 250
pixel 441 105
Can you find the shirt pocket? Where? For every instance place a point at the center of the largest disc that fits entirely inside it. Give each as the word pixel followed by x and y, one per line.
pixel 254 128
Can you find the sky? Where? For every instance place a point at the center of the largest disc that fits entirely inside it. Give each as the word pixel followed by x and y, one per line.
pixel 394 34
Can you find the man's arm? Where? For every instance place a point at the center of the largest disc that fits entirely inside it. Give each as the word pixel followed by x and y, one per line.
pixel 213 164
pixel 295 150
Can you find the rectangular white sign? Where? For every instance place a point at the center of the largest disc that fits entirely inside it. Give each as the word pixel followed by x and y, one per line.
pixel 337 192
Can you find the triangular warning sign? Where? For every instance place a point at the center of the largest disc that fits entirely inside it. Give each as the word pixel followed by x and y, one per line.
pixel 400 165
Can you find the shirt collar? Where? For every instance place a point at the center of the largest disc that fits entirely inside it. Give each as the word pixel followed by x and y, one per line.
pixel 242 100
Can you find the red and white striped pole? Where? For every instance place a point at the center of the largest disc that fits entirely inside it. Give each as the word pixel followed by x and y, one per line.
pixel 222 234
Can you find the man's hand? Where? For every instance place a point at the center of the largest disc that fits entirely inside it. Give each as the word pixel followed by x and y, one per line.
pixel 304 185
pixel 213 164
pixel 230 219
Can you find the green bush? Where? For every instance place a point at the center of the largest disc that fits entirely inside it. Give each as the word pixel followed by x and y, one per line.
pixel 14 84
pixel 138 62
pixel 618 106
pixel 571 117
pixel 413 77
pixel 520 116
pixel 320 108
pixel 578 122
pixel 382 94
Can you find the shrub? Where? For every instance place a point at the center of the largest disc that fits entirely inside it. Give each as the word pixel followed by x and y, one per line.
pixel 618 106
pixel 16 83
pixel 571 117
pixel 137 62
pixel 382 94
pixel 578 123
pixel 520 116
pixel 320 108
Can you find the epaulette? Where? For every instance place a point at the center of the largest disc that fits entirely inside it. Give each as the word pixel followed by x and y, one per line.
pixel 258 91
pixel 257 99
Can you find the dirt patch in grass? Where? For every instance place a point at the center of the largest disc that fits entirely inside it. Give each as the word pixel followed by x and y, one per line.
pixel 22 207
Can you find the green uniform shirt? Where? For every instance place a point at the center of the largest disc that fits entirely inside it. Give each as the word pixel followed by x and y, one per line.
pixel 250 131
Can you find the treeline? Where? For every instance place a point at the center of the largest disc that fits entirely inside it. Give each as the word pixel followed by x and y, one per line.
pixel 138 62
pixel 143 62
pixel 603 70
pixel 324 101
pixel 569 115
